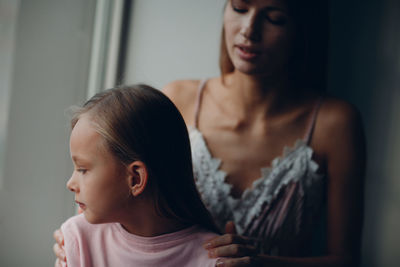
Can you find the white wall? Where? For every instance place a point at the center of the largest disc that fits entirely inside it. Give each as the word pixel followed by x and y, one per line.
pixel 174 39
pixel 50 71
pixel 180 39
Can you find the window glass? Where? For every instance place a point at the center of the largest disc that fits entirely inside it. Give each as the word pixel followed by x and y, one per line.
pixel 8 19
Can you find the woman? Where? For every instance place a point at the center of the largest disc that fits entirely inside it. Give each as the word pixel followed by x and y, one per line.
pixel 299 207
pixel 308 201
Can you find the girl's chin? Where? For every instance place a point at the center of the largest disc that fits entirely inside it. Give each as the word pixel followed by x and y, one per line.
pixel 96 219
pixel 91 219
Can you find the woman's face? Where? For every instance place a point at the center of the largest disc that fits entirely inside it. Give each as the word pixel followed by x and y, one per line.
pixel 258 35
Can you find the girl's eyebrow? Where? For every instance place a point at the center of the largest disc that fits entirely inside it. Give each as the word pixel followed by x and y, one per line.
pixel 77 160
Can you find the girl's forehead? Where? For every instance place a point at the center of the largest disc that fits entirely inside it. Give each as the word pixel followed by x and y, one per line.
pixel 84 133
pixel 86 143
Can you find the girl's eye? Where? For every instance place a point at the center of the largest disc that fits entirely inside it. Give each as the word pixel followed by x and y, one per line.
pixel 82 171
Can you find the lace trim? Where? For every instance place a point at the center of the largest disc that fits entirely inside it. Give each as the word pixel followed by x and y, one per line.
pixel 295 165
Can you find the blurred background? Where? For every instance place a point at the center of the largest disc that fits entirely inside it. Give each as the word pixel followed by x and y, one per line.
pixel 56 53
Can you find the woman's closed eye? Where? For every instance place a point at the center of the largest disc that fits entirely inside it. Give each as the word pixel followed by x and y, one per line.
pixel 238 6
pixel 273 15
pixel 239 10
pixel 276 17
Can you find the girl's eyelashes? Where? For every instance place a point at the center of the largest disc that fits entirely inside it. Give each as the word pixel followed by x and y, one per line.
pixel 81 170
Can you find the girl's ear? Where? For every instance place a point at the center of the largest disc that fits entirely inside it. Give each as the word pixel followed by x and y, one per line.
pixel 138 177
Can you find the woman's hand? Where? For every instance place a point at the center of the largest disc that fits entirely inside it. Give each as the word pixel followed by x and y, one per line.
pixel 58 248
pixel 231 248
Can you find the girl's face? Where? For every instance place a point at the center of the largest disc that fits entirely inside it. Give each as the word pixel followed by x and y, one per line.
pixel 258 34
pixel 99 181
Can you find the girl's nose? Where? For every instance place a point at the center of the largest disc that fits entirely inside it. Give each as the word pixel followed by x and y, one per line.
pixel 251 27
pixel 72 184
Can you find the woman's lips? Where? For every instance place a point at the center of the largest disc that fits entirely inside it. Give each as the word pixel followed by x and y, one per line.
pixel 247 52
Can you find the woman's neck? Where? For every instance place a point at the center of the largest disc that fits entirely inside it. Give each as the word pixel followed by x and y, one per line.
pixel 250 94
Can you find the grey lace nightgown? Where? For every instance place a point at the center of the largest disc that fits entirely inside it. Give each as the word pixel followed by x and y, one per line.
pixel 283 211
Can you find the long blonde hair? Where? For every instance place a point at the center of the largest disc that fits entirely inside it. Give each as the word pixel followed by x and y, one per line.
pixel 140 123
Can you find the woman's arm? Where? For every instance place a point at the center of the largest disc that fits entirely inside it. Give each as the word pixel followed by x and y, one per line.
pixel 344 144
pixel 339 139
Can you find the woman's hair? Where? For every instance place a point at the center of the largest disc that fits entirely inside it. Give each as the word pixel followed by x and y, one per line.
pixel 140 123
pixel 308 66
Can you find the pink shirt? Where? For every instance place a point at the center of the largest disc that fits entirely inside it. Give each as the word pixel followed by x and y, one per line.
pixel 110 245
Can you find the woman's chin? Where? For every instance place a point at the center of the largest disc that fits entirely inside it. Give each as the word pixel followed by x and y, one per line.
pixel 251 68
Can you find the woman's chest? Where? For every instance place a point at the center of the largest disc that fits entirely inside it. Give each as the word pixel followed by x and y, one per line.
pixel 294 167
pixel 242 157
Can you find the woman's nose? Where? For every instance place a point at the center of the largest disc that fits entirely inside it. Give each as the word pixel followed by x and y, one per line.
pixel 251 28
pixel 72 184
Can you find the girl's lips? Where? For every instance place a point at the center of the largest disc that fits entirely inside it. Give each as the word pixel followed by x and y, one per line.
pixel 81 205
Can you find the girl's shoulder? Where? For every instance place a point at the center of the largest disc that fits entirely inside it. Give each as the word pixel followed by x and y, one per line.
pixel 77 225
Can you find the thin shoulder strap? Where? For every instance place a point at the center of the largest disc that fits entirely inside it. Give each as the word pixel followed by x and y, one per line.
pixel 313 119
pixel 198 101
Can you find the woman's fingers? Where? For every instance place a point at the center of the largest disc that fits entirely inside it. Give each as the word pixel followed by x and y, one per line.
pixel 58 247
pixel 58 263
pixel 233 251
pixel 59 237
pixel 230 245
pixel 226 239
pixel 59 251
pixel 236 262
pixel 230 228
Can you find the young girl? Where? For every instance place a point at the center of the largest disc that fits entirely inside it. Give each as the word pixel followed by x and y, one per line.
pixel 133 181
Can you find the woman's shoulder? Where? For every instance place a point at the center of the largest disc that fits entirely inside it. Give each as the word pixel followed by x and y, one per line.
pixel 337 113
pixel 181 90
pixel 338 122
pixel 184 93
